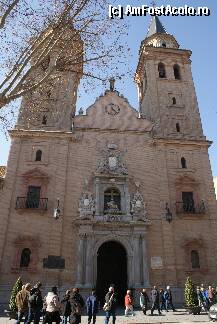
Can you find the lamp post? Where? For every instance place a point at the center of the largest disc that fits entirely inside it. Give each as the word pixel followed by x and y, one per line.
pixel 56 213
pixel 168 215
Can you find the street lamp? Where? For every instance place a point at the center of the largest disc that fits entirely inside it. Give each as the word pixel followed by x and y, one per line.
pixel 56 213
pixel 168 215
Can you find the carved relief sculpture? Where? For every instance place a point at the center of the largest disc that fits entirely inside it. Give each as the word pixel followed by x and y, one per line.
pixel 112 163
pixel 87 206
pixel 138 207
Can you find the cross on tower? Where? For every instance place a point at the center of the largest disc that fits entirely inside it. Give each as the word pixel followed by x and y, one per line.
pixel 112 84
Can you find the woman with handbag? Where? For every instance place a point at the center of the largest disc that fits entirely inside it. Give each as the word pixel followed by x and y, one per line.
pixel 110 305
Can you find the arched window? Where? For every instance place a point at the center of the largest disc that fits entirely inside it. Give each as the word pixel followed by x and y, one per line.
pixel 174 100
pixel 195 259
pixel 164 45
pixel 112 200
pixel 44 120
pixel 161 70
pixel 176 70
pixel 177 127
pixel 183 163
pixel 25 258
pixel 38 155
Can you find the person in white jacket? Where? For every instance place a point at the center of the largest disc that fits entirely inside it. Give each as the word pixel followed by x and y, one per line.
pixel 52 304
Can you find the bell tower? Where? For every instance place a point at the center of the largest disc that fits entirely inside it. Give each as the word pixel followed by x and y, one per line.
pixel 165 85
pixel 52 105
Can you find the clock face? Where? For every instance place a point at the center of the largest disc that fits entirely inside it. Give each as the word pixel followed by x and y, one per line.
pixel 112 109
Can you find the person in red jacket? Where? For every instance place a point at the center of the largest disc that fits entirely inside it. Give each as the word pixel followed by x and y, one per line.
pixel 129 304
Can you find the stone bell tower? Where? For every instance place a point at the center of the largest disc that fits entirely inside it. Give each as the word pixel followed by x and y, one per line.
pixel 165 85
pixel 52 105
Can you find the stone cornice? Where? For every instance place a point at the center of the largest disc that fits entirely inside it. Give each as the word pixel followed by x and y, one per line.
pixel 112 225
pixel 23 133
pixel 182 142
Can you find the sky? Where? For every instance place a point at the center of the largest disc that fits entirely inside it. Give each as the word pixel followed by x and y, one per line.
pixel 199 34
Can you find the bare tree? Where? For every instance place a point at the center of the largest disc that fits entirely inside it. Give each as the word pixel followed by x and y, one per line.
pixel 30 33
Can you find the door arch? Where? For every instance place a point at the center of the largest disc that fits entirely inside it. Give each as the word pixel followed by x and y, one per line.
pixel 112 269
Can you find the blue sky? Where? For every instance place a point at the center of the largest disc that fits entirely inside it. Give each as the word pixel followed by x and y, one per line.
pixel 198 34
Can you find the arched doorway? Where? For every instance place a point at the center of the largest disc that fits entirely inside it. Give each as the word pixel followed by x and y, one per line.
pixel 112 269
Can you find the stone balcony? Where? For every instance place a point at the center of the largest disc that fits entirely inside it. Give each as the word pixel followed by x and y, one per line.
pixel 190 208
pixel 36 204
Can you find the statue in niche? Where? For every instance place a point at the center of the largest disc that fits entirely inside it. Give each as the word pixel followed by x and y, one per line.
pixel 112 207
pixel 87 206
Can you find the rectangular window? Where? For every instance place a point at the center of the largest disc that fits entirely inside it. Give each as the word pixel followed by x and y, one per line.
pixel 33 197
pixel 188 202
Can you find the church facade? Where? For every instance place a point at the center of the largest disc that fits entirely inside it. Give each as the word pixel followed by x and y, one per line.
pixel 114 195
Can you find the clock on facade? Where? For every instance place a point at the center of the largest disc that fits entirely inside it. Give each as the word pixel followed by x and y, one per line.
pixel 112 109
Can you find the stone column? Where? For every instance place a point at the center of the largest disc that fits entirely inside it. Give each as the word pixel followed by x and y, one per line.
pixel 145 264
pixel 137 270
pixel 97 182
pixel 80 261
pixel 130 270
pixel 89 262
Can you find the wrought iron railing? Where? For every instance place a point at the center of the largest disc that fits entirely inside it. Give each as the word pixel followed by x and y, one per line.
pixel 190 208
pixel 26 203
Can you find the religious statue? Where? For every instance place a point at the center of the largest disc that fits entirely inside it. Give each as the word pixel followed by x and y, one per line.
pixel 112 206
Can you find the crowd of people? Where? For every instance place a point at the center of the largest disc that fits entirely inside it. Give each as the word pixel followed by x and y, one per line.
pixel 206 297
pixel 31 306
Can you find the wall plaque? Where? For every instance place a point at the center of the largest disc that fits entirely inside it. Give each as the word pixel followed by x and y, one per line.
pixel 54 262
pixel 156 262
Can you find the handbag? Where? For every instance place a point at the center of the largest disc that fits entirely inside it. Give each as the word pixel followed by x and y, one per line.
pixel 107 306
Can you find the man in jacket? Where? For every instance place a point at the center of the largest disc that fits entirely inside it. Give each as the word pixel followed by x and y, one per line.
pixel 162 300
pixel 111 300
pixel 35 304
pixel 155 300
pixel 66 311
pixel 22 303
pixel 168 299
pixel 92 306
pixel 144 300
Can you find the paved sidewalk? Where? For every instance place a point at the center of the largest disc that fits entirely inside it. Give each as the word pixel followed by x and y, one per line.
pixel 181 316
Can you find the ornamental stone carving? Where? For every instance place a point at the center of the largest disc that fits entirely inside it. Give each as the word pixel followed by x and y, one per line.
pixel 86 206
pixel 111 162
pixel 138 207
